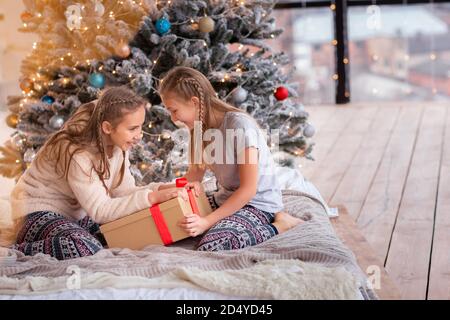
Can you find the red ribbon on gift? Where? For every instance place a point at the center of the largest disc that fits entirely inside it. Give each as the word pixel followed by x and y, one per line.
pixel 160 222
pixel 180 183
pixel 161 225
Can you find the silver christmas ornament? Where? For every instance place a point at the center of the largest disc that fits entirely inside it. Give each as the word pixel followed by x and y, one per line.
pixel 239 95
pixel 180 136
pixel 56 122
pixel 309 131
pixel 18 140
pixel 29 155
pixel 154 38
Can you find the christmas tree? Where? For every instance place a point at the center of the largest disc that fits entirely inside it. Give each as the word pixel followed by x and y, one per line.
pixel 88 45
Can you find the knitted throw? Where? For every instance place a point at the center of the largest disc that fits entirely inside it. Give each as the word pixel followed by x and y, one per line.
pixel 313 241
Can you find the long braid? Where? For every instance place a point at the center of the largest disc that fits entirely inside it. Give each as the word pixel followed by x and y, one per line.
pixel 194 86
pixel 104 166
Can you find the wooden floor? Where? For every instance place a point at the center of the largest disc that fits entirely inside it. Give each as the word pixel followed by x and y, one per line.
pixel 351 236
pixel 389 165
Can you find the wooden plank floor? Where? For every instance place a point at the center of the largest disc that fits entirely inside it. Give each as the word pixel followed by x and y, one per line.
pixel 389 165
pixel 351 236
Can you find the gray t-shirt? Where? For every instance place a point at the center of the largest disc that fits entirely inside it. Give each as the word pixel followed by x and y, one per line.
pixel 240 131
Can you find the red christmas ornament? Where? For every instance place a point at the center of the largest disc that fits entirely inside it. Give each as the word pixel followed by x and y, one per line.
pixel 281 93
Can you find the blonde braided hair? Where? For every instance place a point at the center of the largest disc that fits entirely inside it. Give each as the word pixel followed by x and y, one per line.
pixel 185 83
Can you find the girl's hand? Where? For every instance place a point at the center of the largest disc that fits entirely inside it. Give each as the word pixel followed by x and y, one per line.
pixel 194 225
pixel 196 185
pixel 167 194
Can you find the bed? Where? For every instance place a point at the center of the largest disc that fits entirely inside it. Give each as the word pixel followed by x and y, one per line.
pixel 306 262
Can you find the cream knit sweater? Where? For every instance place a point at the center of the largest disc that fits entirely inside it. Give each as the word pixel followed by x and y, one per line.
pixel 42 189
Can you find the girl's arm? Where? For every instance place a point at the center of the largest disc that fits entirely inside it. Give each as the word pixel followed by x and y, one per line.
pixel 128 184
pixel 94 199
pixel 248 175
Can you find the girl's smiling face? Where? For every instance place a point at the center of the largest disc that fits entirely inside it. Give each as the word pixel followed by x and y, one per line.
pixel 181 110
pixel 127 132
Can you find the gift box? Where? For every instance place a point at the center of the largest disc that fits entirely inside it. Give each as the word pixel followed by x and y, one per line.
pixel 155 225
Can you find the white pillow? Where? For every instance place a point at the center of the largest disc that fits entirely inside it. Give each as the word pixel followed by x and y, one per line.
pixel 292 179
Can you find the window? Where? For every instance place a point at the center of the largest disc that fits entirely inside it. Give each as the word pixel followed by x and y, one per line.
pixel 307 40
pixel 399 52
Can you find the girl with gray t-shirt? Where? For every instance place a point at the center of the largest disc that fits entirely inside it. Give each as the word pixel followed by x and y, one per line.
pixel 248 205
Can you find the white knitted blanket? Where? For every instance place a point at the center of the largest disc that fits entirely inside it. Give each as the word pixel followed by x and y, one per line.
pixel 307 262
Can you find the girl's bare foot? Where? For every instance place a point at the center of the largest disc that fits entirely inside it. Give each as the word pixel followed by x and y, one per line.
pixel 284 221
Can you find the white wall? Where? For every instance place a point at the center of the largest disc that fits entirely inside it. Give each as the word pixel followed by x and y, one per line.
pixel 14 46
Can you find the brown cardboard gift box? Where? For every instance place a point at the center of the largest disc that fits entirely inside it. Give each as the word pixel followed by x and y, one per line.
pixel 139 229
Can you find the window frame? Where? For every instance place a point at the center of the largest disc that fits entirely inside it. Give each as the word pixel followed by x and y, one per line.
pixel 340 14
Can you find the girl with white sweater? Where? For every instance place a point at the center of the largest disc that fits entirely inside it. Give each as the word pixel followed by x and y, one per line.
pixel 81 178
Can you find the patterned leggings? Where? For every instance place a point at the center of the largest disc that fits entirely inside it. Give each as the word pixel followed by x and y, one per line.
pixel 246 227
pixel 52 233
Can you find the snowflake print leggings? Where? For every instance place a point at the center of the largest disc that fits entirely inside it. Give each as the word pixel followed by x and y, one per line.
pixel 246 227
pixel 52 233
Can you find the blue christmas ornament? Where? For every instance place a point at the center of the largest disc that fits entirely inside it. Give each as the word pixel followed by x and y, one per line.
pixel 97 80
pixel 162 26
pixel 48 99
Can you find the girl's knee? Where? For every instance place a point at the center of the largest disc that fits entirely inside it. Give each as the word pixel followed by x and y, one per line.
pixel 75 246
pixel 226 242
